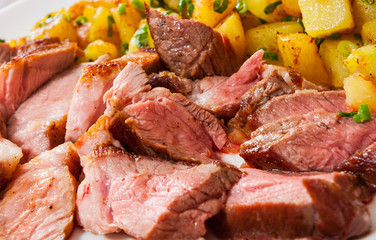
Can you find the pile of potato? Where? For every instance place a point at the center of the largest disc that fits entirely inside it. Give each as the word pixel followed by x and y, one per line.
pixel 330 42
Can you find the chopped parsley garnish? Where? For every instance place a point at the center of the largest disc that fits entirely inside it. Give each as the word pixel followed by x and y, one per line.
pixel 318 41
pixel 358 37
pixel 270 56
pixel 121 8
pixel 287 18
pixel 2 40
pixel 138 5
pixel 369 1
pixel 188 4
pixel 156 3
pixel 241 7
pixel 361 116
pixel 110 21
pixel 141 36
pixel 271 7
pixel 334 36
pixel 300 21
pixel 80 20
pixel 168 12
pixel 345 47
pixel 124 48
pixel 347 114
pixel 220 6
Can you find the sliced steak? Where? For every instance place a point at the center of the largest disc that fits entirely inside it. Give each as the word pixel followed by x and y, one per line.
pixel 222 96
pixel 172 82
pixel 39 123
pixel 190 48
pixel 39 203
pixel 87 102
pixel 317 141
pixel 149 198
pixel 10 156
pixel 26 72
pixel 363 164
pixel 263 205
pixel 298 103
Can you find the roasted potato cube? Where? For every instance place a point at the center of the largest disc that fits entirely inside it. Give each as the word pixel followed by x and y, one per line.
pixel 257 7
pixel 204 11
pixel 291 7
pixel 369 32
pixel 360 90
pixel 299 51
pixel 127 23
pixel 322 18
pixel 363 60
pixel 232 27
pixel 99 48
pixel 249 20
pixel 363 12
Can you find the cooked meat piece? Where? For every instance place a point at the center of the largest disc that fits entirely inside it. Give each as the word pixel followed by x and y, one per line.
pixel 317 141
pixel 172 82
pixel 3 127
pixel 263 205
pixel 87 102
pixel 190 48
pixel 298 103
pixel 10 156
pixel 39 203
pixel 39 123
pixel 29 70
pixel 149 198
pixel 275 81
pixel 222 96
pixel 6 53
pixel 363 164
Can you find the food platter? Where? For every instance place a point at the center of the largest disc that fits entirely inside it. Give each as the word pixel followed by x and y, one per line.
pixel 18 17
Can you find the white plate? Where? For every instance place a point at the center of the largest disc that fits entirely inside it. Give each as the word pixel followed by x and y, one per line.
pixel 18 18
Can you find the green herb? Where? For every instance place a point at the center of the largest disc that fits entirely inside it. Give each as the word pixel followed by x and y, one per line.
pixel 262 21
pixel 138 5
pixel 241 7
pixel 188 4
pixel 80 20
pixel 369 1
pixel 220 6
pixel 358 37
pixel 121 8
pixel 182 4
pixel 124 48
pixel 345 47
pixel 287 18
pixel 2 40
pixel 168 12
pixel 318 41
pixel 334 36
pixel 270 56
pixel 67 17
pixel 347 114
pixel 141 36
pixel 271 7
pixel 301 23
pixel 156 3
pixel 110 21
pixel 363 114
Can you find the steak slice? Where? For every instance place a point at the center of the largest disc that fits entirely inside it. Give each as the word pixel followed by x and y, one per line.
pixel 298 103
pixel 10 156
pixel 190 48
pixel 316 141
pixel 222 96
pixel 363 164
pixel 29 70
pixel 39 203
pixel 172 82
pixel 39 123
pixel 149 198
pixel 87 102
pixel 263 205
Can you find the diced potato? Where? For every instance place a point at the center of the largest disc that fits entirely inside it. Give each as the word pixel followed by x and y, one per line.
pixel 363 60
pixel 322 18
pixel 257 7
pixel 369 32
pixel 140 35
pixel 128 23
pixel 55 25
pixel 232 27
pixel 17 42
pixel 360 90
pixel 78 8
pixel 363 12
pixel 299 51
pixel 291 7
pixel 89 13
pixel 249 20
pixel 99 48
pixel 101 28
pixel 204 12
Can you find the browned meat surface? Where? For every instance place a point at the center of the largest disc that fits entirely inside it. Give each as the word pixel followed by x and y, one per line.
pixel 263 205
pixel 87 102
pixel 10 156
pixel 172 82
pixel 363 164
pixel 316 141
pixel 3 127
pixel 39 123
pixel 190 48
pixel 39 203
pixel 6 53
pixel 221 96
pixel 298 103
pixel 31 68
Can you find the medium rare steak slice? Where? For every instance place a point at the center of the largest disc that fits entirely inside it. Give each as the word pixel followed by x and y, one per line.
pixel 190 48
pixel 363 164
pixel 317 141
pixel 298 103
pixel 149 198
pixel 222 96
pixel 39 123
pixel 10 156
pixel 39 203
pixel 29 70
pixel 172 82
pixel 263 205
pixel 87 102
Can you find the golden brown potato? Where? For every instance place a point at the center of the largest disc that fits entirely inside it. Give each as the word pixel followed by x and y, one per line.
pixel 257 7
pixel 360 90
pixel 99 48
pixel 291 7
pixel 127 23
pixel 204 12
pixel 363 12
pixel 141 38
pixel 369 32
pixel 362 60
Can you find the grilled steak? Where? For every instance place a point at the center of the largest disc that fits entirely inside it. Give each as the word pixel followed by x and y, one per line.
pixel 190 48
pixel 39 123
pixel 172 82
pixel 222 96
pixel 363 164
pixel 87 102
pixel 10 156
pixel 39 203
pixel 316 141
pixel 26 72
pixel 263 205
